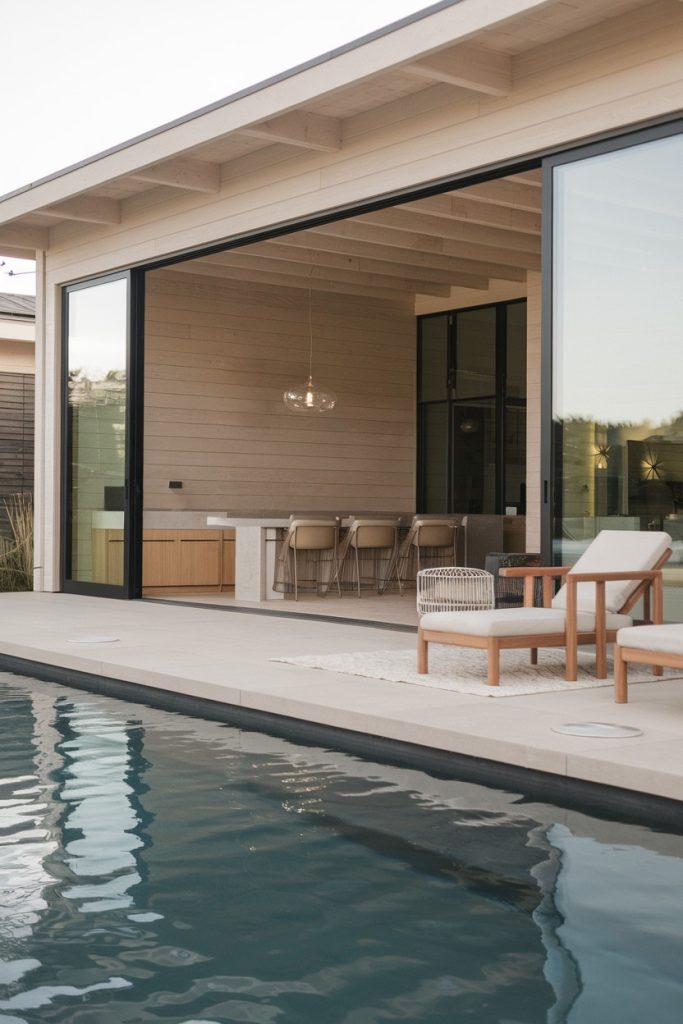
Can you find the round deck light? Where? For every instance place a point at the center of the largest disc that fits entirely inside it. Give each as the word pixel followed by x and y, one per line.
pixel 597 730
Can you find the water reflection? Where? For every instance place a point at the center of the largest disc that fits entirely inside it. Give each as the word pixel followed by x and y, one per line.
pixel 188 871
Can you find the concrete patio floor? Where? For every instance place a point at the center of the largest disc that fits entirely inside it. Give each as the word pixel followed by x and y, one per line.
pixel 225 656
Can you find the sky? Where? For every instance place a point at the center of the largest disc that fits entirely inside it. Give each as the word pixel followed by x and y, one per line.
pixel 78 76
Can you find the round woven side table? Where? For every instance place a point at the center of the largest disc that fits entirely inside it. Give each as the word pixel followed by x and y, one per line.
pixel 454 589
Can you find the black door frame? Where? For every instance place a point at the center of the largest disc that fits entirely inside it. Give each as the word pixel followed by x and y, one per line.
pixel 133 460
pixel 550 461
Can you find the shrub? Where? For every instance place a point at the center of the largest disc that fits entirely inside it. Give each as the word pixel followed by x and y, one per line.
pixel 16 551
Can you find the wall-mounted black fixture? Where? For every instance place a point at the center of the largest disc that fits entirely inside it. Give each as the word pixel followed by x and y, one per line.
pixel 175 485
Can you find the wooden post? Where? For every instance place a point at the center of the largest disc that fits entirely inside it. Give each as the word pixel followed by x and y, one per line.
pixel 493 651
pixel 422 654
pixel 658 611
pixel 571 637
pixel 600 632
pixel 620 677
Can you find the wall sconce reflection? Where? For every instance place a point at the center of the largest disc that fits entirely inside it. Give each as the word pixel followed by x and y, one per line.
pixel 651 465
pixel 601 455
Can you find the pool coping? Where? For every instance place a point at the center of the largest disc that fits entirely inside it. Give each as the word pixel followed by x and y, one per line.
pixel 533 784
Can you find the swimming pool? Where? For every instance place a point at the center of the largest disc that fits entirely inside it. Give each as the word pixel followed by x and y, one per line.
pixel 156 867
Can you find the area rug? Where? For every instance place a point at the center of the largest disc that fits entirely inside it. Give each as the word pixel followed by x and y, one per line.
pixel 464 671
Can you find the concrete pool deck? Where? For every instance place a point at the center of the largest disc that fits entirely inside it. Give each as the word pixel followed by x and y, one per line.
pixel 225 656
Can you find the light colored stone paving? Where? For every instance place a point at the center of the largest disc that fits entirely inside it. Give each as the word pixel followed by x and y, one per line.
pixel 391 608
pixel 225 657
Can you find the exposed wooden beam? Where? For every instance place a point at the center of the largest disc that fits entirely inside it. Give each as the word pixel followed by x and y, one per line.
pixel 320 242
pixel 423 223
pixel 304 272
pixel 88 209
pixel 183 172
pixel 457 207
pixel 299 128
pixel 316 284
pixel 418 242
pixel 469 67
pixel 532 178
pixel 363 264
pixel 23 236
pixel 505 192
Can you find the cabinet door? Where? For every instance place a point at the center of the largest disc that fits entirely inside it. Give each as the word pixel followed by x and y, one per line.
pixel 161 559
pixel 200 555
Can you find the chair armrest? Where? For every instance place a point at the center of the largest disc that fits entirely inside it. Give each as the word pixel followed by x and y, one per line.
pixel 608 577
pixel 535 570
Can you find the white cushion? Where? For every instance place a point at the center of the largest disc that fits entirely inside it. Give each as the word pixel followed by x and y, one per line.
pixel 615 551
pixel 666 639
pixel 514 622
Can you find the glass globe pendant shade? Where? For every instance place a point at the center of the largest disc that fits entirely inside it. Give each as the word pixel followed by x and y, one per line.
pixel 309 397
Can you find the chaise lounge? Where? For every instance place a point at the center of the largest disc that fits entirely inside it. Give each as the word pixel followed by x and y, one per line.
pixel 617 569
pixel 659 646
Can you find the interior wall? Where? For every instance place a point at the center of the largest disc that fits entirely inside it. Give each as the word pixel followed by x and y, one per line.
pixel 219 355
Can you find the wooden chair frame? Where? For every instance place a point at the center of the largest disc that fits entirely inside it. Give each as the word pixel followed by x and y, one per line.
pixel 650 588
pixel 658 660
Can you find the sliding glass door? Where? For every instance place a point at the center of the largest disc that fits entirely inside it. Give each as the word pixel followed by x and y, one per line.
pixel 101 442
pixel 617 344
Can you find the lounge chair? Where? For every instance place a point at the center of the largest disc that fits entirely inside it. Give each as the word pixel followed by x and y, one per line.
pixel 617 569
pixel 658 646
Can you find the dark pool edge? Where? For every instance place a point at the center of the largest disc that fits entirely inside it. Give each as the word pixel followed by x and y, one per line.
pixel 396 627
pixel 532 785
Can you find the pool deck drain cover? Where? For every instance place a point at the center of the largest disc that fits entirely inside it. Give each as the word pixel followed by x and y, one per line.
pixel 599 730
pixel 92 638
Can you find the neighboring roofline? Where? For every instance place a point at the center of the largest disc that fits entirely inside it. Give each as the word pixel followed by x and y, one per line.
pixel 240 94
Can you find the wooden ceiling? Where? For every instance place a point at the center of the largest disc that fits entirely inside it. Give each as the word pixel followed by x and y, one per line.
pixel 108 192
pixel 424 247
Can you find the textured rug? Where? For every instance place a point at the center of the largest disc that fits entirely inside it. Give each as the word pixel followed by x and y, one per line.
pixel 464 671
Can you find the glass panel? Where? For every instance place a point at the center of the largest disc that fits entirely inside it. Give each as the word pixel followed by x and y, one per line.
pixel 618 359
pixel 96 442
pixel 515 458
pixel 474 457
pixel 474 368
pixel 516 351
pixel 434 358
pixel 434 457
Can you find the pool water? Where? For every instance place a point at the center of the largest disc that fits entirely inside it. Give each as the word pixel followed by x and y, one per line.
pixel 156 867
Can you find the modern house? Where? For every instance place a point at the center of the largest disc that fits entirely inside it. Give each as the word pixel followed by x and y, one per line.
pixel 17 369
pixel 475 219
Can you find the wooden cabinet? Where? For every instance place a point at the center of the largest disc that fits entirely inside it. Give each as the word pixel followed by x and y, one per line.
pixel 182 561
pixel 188 561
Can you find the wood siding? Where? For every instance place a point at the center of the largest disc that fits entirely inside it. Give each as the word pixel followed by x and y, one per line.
pixel 219 356
pixel 16 438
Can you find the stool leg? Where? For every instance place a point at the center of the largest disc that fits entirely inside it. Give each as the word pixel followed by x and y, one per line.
pixel 357 570
pixel 534 655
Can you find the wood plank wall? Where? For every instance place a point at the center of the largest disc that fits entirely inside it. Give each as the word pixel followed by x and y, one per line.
pixel 219 355
pixel 16 438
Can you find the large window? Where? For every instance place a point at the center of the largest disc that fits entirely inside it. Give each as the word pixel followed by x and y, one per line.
pixel 618 344
pixel 472 409
pixel 96 427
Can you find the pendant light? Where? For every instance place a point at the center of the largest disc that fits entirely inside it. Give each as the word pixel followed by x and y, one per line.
pixel 309 397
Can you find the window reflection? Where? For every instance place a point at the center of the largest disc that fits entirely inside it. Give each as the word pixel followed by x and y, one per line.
pixel 617 336
pixel 97 343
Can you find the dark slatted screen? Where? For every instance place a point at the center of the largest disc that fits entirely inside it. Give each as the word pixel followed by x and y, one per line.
pixel 16 437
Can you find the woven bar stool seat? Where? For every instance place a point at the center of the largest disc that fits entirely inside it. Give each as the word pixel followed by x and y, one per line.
pixel 455 588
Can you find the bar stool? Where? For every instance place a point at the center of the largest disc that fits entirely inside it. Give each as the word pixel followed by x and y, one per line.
pixel 440 536
pixel 366 535
pixel 314 536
